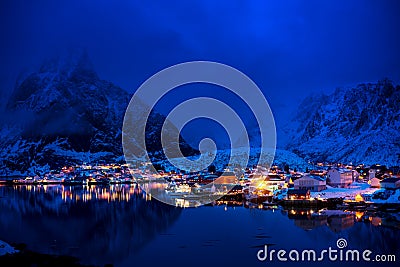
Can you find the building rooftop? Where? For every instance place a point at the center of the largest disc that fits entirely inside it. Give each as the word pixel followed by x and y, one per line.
pixel 297 191
pixel 315 177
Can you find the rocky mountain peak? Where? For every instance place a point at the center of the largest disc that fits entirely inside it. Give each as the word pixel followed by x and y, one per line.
pixel 66 113
pixel 360 124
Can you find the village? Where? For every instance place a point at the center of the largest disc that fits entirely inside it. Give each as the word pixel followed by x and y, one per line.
pixel 333 195
pixel 325 185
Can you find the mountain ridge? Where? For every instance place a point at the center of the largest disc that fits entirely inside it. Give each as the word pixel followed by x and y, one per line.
pixel 65 114
pixel 358 125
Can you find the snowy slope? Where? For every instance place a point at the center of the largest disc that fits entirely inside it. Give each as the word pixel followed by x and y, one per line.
pixel 281 158
pixel 358 125
pixel 64 113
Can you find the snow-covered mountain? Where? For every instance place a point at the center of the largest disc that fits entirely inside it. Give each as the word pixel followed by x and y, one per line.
pixel 358 125
pixel 64 113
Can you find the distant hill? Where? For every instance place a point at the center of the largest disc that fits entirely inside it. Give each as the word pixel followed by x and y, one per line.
pixel 358 125
pixel 64 114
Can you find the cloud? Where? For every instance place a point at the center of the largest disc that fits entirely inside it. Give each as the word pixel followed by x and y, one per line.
pixel 289 49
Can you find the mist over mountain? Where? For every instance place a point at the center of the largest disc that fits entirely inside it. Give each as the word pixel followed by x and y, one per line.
pixel 64 113
pixel 358 125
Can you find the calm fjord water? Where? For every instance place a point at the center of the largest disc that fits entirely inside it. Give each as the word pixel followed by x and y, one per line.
pixel 121 225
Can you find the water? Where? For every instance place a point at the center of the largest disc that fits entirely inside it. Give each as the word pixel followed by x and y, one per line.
pixel 123 226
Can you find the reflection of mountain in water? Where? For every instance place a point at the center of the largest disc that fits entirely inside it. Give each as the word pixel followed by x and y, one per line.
pixel 61 220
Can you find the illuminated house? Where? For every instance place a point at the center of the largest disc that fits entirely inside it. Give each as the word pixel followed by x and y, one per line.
pixel 237 189
pixel 312 183
pixel 227 178
pixel 338 178
pixel 273 182
pixel 298 194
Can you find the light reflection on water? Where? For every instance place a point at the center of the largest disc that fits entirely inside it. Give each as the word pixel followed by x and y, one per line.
pixel 97 224
pixel 71 193
pixel 120 224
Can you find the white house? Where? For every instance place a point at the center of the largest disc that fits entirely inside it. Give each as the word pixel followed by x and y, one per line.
pixel 341 178
pixel 312 183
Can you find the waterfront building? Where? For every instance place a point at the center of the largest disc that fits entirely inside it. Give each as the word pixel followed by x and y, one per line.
pixel 312 183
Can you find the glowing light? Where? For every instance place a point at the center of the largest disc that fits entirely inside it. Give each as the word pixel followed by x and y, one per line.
pixel 358 198
pixel 359 215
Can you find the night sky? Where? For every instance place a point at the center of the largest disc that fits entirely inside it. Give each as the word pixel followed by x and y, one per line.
pixel 289 48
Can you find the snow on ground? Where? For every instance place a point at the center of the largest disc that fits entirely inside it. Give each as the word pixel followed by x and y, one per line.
pixel 346 193
pixel 6 248
pixel 281 157
pixel 393 197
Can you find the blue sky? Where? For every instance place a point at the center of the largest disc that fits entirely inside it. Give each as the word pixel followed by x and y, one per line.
pixel 289 48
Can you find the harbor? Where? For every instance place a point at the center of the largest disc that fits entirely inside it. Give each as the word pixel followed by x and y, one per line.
pixel 126 212
pixel 332 187
pixel 115 210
